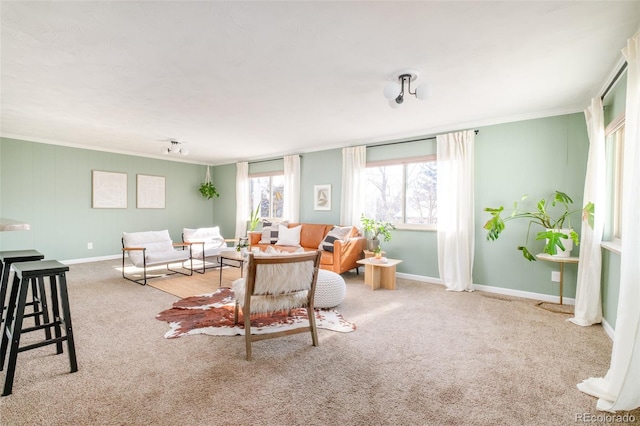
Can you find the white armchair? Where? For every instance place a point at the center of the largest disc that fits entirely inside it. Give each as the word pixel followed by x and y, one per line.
pixel 204 242
pixel 150 248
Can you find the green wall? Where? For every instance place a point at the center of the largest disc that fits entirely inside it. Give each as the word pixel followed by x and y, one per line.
pixel 49 186
pixel 533 157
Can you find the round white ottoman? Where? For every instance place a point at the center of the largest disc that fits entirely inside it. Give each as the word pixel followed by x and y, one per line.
pixel 330 289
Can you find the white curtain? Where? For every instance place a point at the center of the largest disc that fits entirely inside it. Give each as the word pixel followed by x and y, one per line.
pixel 619 389
pixel 354 163
pixel 291 207
pixel 588 308
pixel 242 199
pixel 456 227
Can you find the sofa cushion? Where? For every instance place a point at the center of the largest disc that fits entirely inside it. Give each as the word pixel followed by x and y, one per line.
pixel 289 236
pixel 336 233
pixel 270 231
pixel 211 239
pixel 311 234
pixel 203 235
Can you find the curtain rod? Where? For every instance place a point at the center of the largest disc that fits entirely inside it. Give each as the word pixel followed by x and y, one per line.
pixel 270 159
pixel 476 131
pixel 614 80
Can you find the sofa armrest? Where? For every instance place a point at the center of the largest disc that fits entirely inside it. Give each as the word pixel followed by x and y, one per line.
pixel 347 253
pixel 254 238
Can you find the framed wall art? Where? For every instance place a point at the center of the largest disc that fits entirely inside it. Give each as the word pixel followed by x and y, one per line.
pixel 108 190
pixel 322 197
pixel 150 192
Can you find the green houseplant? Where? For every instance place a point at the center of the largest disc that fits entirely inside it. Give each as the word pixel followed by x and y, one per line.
pixel 551 214
pixel 207 189
pixel 376 228
pixel 254 219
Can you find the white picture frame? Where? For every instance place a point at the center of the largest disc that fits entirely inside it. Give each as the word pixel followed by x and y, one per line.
pixel 322 197
pixel 150 193
pixel 108 190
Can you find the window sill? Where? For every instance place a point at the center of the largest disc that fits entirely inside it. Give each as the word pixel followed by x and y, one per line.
pixel 415 227
pixel 614 246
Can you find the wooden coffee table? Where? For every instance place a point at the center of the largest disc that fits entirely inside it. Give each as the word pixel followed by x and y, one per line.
pixel 380 275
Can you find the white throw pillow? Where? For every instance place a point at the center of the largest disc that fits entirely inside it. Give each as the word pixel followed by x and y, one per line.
pixel 289 236
pixel 270 231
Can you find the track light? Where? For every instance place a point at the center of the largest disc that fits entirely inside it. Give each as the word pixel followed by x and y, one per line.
pixel 175 147
pixel 395 91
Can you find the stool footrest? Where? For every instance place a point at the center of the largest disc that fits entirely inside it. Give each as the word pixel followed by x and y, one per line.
pixel 43 343
pixel 40 327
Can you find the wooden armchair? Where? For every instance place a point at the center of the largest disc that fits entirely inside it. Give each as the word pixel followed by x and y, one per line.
pixel 277 283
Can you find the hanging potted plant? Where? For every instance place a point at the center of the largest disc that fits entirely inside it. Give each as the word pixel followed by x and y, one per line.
pixel 551 214
pixel 207 189
pixel 376 229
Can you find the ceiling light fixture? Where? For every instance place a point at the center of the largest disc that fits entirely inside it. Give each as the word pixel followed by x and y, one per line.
pixel 175 147
pixel 395 91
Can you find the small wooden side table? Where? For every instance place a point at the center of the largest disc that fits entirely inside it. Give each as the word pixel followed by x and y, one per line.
pixel 378 274
pixel 561 261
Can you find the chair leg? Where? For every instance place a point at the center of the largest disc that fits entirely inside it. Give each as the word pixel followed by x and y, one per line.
pixel 247 334
pixel 312 325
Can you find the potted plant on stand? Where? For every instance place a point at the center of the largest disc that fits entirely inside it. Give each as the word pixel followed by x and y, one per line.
pixel 375 229
pixel 551 214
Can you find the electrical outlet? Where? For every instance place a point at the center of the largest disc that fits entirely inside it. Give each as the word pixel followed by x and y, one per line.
pixel 90 246
pixel 555 276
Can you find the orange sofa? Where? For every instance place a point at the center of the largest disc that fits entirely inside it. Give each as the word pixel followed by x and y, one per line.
pixel 345 253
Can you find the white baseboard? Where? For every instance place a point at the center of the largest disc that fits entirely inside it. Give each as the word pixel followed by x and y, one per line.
pixel 497 290
pixel 91 259
pixel 608 329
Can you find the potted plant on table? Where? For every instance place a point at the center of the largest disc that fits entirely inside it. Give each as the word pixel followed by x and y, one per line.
pixel 554 232
pixel 376 229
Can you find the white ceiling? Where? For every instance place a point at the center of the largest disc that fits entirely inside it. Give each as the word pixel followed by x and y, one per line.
pixel 250 80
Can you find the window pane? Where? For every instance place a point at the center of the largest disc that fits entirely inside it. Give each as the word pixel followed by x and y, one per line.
pixel 383 199
pixel 421 200
pixel 277 185
pixel 618 138
pixel 259 189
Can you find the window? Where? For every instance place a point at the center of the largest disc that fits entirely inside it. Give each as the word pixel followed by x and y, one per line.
pixel 403 191
pixel 267 192
pixel 615 153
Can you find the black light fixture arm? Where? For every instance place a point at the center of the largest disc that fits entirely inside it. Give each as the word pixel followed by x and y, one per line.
pixel 404 78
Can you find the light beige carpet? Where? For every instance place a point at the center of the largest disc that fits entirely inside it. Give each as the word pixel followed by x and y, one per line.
pixel 420 356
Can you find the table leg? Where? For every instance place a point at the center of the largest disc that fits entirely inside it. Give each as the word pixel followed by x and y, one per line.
pixel 375 277
pixel 221 265
pixel 561 278
pixel 388 279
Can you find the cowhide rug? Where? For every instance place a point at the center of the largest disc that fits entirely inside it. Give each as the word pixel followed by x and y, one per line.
pixel 212 314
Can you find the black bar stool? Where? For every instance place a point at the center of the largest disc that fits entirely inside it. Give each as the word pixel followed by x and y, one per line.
pixel 6 259
pixel 26 272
